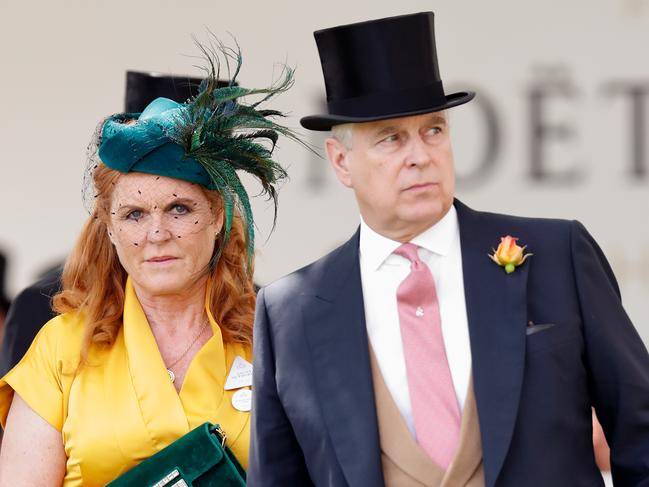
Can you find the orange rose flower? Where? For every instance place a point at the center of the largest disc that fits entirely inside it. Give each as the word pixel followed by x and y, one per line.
pixel 509 255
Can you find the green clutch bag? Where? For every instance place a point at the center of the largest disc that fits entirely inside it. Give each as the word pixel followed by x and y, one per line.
pixel 199 459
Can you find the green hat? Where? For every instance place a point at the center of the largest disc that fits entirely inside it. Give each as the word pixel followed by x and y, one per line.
pixel 204 141
pixel 146 146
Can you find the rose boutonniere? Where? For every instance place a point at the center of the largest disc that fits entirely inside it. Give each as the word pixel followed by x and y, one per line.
pixel 508 254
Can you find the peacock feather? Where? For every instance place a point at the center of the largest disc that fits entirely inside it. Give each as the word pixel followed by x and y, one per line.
pixel 226 135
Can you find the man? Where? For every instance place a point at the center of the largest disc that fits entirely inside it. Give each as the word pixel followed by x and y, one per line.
pixel 28 312
pixel 408 356
pixel 4 300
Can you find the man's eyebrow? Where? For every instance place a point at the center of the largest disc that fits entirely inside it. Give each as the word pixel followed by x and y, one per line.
pixel 386 130
pixel 435 118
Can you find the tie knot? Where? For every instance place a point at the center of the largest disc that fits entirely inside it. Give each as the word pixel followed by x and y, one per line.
pixel 409 251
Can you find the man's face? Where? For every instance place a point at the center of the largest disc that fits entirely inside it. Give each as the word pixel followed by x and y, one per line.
pixel 401 171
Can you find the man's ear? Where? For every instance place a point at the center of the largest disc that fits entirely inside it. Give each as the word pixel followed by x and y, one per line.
pixel 338 156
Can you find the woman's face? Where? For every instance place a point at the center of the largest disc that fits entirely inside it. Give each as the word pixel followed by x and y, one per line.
pixel 164 231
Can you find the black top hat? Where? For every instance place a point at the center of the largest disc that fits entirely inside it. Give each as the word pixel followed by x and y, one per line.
pixel 142 88
pixel 380 69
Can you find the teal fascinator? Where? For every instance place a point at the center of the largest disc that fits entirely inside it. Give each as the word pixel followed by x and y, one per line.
pixel 205 140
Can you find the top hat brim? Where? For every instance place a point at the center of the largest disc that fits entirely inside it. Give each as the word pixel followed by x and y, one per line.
pixel 324 122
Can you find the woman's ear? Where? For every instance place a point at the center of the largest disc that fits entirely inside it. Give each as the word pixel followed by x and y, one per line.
pixel 109 231
pixel 219 223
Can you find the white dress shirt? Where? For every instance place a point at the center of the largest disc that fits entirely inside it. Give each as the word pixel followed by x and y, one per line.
pixel 381 273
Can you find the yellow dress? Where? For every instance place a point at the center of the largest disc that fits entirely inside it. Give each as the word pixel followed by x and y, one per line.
pixel 122 408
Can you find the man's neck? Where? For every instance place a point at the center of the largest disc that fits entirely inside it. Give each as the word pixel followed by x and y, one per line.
pixel 406 232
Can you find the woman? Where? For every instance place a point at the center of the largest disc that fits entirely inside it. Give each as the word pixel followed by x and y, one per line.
pixel 158 300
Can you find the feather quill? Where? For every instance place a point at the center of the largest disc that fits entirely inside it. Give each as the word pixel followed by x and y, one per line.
pixel 225 136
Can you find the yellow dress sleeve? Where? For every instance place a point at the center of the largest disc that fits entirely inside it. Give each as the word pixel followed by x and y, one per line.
pixel 39 377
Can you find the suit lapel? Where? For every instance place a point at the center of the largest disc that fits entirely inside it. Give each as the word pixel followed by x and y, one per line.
pixel 337 339
pixel 497 312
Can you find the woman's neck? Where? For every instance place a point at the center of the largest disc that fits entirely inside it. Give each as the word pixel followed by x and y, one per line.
pixel 178 312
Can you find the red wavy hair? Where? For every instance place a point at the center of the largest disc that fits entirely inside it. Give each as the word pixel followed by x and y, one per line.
pixel 94 279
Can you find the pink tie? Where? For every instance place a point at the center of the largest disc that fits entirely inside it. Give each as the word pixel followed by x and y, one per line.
pixel 435 408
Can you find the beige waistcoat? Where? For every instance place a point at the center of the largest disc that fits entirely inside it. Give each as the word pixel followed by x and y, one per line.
pixel 406 464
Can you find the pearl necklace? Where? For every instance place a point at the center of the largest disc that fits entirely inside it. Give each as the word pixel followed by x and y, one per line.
pixel 172 376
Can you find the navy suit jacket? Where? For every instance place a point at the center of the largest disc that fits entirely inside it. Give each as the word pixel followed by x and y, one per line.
pixel 314 419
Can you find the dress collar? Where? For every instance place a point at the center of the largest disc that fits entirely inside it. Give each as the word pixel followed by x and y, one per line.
pixel 167 414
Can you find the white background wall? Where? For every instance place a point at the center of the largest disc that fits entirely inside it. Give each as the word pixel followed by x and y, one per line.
pixel 62 68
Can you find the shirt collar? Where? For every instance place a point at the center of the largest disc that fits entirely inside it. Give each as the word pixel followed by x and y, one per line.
pixel 374 248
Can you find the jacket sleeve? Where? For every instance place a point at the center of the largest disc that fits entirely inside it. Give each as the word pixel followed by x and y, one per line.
pixel 276 458
pixel 617 360
pixel 28 312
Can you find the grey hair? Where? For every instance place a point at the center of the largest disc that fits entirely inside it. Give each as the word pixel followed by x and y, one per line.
pixel 343 133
